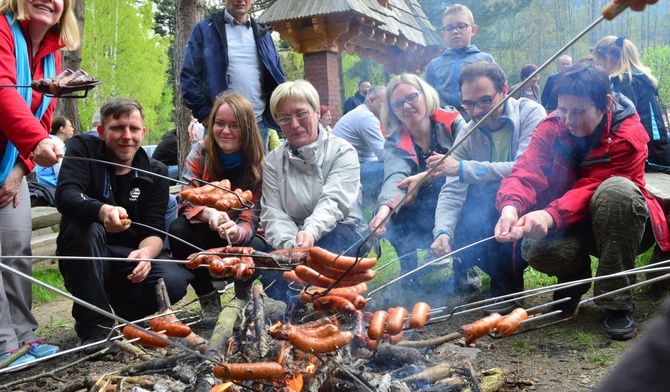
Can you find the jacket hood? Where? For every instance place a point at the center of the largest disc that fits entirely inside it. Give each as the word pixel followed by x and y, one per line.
pixel 465 51
pixel 622 108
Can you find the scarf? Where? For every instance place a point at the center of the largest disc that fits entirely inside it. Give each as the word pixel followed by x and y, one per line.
pixel 230 161
pixel 24 78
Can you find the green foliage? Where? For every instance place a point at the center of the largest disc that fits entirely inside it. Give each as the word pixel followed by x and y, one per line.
pixel 356 69
pixel 123 51
pixel 658 59
pixel 292 63
pixel 51 277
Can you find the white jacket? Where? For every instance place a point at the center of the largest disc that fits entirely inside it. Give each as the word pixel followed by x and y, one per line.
pixel 313 190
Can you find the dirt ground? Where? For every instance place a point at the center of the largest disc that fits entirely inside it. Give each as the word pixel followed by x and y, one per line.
pixel 569 356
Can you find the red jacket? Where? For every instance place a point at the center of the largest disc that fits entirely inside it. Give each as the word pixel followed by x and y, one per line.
pixel 17 122
pixel 547 177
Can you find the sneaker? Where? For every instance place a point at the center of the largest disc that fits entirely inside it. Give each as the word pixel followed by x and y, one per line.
pixel 96 344
pixel 41 350
pixel 21 363
pixel 467 281
pixel 619 324
pixel 211 307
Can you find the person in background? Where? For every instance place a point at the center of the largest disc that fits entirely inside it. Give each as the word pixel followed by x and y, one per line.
pixel 232 150
pixel 231 51
pixel 273 139
pixel 458 28
pixel 361 127
pixel 94 124
pixel 530 88
pixel 548 98
pixel 466 209
pixel 94 199
pixel 311 183
pixel 196 131
pixel 326 117
pixel 357 99
pixel 32 35
pixel 620 59
pixel 166 152
pixel 61 131
pixel 579 191
pixel 418 133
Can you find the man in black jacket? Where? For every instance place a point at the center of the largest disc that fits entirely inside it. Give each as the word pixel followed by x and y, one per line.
pixel 94 199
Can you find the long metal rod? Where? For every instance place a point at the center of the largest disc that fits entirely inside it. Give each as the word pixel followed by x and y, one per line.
pixel 105 313
pixel 424 265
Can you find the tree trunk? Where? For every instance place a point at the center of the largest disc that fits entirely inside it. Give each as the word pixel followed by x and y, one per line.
pixel 188 13
pixel 72 60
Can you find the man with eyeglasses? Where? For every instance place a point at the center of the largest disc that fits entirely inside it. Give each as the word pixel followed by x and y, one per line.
pixel 458 28
pixel 466 207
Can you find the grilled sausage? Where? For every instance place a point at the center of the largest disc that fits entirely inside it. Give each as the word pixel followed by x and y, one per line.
pixel 396 320
pixel 509 324
pixel 249 371
pixel 376 325
pixel 144 338
pixel 419 315
pixel 176 329
pixel 329 259
pixel 333 304
pixel 480 327
pixel 314 345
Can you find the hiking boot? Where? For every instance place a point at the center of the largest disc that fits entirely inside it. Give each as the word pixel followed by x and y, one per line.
pixel 619 324
pixel 211 307
pixel 467 280
pixel 97 343
pixel 502 306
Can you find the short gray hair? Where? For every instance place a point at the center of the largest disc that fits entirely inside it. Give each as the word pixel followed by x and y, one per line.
pixel 373 91
pixel 299 89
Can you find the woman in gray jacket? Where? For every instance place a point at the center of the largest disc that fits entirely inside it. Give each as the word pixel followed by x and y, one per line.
pixel 419 133
pixel 311 182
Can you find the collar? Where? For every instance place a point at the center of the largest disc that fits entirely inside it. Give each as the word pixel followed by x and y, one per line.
pixel 230 19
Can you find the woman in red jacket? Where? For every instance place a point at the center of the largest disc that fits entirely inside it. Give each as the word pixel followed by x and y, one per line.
pixel 579 191
pixel 31 33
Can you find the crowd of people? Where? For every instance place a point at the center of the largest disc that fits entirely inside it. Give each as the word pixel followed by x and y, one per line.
pixel 557 176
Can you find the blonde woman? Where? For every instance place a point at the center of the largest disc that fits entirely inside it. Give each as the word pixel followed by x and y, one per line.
pixel 32 35
pixel 619 58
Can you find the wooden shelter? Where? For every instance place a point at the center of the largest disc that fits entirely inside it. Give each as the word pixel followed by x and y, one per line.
pixel 395 33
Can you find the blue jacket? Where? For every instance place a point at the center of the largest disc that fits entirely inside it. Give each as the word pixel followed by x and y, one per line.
pixel 443 72
pixel 205 67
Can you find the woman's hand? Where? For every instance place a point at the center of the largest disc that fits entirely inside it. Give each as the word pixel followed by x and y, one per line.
pixel 213 217
pixel 47 153
pixel 304 239
pixel 441 246
pixel 449 167
pixel 10 189
pixel 410 183
pixel 536 224
pixel 228 229
pixel 382 213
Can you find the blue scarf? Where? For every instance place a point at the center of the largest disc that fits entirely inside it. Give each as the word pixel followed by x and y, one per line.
pixel 230 161
pixel 24 78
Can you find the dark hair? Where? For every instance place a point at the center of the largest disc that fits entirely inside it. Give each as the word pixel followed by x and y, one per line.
pixel 57 123
pixel 486 69
pixel 361 82
pixel 527 70
pixel 587 80
pixel 119 106
pixel 323 109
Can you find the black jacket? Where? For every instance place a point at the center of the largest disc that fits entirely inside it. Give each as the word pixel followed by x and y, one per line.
pixel 83 188
pixel 166 150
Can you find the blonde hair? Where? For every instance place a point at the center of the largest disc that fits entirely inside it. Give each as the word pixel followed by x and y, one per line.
pixel 392 123
pixel 456 9
pixel 251 144
pixel 626 56
pixel 300 89
pixel 67 28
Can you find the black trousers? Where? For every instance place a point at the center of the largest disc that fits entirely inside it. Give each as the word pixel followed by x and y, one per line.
pixel 104 283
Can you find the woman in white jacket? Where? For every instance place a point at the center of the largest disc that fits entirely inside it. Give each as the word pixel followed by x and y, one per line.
pixel 311 182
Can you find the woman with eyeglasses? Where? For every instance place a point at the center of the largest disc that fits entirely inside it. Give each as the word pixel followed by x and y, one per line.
pixel 620 59
pixel 419 133
pixel 232 150
pixel 311 182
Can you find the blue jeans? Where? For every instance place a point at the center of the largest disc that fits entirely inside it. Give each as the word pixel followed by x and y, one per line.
pixel 170 215
pixel 265 133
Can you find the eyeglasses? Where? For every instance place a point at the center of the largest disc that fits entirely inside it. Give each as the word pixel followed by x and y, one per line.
pixel 401 104
pixel 301 115
pixel 449 29
pixel 481 103
pixel 233 127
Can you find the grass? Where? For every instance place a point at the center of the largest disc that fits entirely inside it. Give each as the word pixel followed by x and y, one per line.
pixel 50 276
